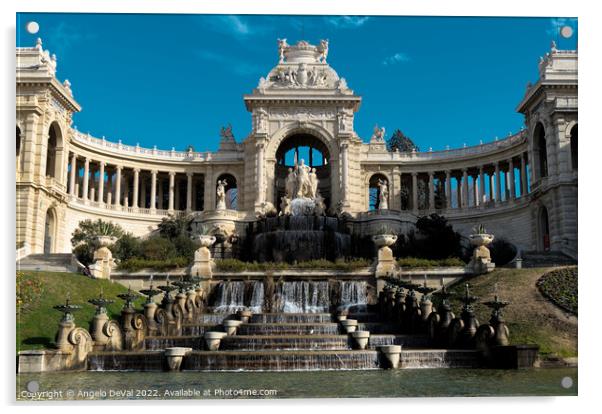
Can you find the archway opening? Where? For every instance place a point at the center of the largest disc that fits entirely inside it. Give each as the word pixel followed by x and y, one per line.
pixel 574 146
pixel 541 150
pixel 51 150
pixel 49 226
pixel 231 190
pixel 376 186
pixel 313 152
pixel 544 225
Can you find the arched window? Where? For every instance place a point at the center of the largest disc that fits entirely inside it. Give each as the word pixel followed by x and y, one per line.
pixel 574 145
pixel 376 185
pixel 51 151
pixel 231 190
pixel 541 150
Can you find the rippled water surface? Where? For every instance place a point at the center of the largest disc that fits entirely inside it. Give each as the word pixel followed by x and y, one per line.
pixel 324 384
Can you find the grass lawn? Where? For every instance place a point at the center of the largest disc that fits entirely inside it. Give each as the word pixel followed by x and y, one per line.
pixel 38 323
pixel 531 317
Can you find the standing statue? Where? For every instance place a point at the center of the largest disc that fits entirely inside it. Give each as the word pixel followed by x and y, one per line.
pixel 291 184
pixel 221 195
pixel 303 184
pixel 313 183
pixel 378 135
pixel 282 45
pixel 323 50
pixel 383 195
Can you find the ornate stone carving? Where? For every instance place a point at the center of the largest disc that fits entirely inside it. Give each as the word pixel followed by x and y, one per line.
pixel 221 195
pixel 378 136
pixel 303 113
pixel 383 195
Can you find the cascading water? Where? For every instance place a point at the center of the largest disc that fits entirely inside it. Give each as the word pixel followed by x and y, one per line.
pixel 303 297
pixel 231 296
pixel 353 295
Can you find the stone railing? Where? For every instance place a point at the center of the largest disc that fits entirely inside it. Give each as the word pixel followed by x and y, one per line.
pixel 481 149
pixel 131 210
pixel 154 153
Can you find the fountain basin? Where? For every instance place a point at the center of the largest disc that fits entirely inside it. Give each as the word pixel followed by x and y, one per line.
pixel 245 315
pixel 478 240
pixel 391 354
pixel 361 339
pixel 231 326
pixel 174 357
pixel 213 339
pixel 349 325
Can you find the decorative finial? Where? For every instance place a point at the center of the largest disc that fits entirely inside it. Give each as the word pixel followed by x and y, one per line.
pixel 39 43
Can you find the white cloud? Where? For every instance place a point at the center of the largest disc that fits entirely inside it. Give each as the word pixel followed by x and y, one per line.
pixel 347 22
pixel 556 23
pixel 396 58
pixel 237 25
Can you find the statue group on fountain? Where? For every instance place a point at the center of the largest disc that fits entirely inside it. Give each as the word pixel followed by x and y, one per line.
pixel 302 184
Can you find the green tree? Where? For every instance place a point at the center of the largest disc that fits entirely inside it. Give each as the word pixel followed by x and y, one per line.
pixel 172 227
pixel 400 142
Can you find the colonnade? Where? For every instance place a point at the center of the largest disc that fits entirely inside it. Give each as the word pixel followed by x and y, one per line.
pixel 479 186
pixel 120 187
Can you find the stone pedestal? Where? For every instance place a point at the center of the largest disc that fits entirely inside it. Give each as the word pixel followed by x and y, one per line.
pixel 361 339
pixel 96 329
pixel 149 312
pixel 62 336
pixel 203 264
pixel 391 355
pixel 481 257
pixel 385 262
pixel 174 357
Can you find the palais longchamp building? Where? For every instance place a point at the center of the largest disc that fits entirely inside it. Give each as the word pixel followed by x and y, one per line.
pixel 302 156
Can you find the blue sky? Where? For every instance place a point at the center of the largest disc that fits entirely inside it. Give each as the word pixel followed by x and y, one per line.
pixel 174 80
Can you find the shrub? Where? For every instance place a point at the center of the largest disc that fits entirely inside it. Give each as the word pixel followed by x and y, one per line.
pixel 127 247
pixel 84 253
pixel 185 246
pixel 235 265
pixel 419 262
pixel 436 239
pixel 173 227
pixel 157 248
pixel 136 263
pixel 502 251
pixel 560 286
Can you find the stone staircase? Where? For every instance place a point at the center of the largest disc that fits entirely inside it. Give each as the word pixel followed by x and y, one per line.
pixel 56 262
pixel 546 259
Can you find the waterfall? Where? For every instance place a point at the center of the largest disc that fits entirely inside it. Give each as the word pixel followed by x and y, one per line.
pixel 303 297
pixel 230 298
pixel 256 304
pixel 353 295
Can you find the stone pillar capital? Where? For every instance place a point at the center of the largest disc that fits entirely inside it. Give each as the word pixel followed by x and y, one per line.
pixel 189 174
pixel 137 170
pixel 172 173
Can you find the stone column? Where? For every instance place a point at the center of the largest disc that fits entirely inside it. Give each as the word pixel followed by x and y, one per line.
pixel 118 185
pixel 447 189
pixel 415 191
pixel 86 179
pixel 482 184
pixel 189 175
pixel 153 194
pixel 209 189
pixel 172 176
pixel 101 182
pixel 431 190
pixel 464 188
pixel 459 192
pixel 260 173
pixel 498 183
pixel 491 187
pixel 160 205
pixel 512 178
pixel 475 190
pixel 72 175
pixel 523 175
pixel 345 171
pixel 136 186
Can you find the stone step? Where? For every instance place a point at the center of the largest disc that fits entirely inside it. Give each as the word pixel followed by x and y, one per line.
pixel 291 318
pixel 56 262
pixel 289 329
pixel 285 342
pixel 280 360
pixel 364 316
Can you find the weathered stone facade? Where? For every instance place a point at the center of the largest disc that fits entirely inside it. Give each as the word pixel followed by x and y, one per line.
pixel 522 188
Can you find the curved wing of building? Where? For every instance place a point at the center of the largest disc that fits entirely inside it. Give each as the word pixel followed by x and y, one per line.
pixel 522 188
